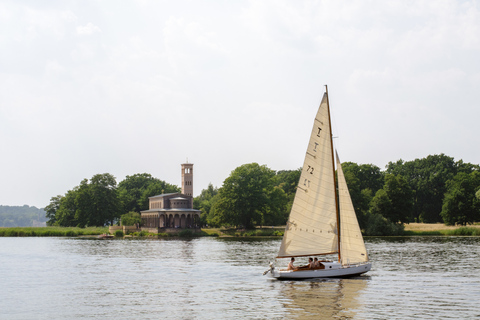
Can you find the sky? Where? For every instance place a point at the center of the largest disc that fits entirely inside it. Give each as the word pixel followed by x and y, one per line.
pixel 89 87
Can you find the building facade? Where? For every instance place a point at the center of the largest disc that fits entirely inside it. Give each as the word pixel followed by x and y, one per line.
pixel 173 210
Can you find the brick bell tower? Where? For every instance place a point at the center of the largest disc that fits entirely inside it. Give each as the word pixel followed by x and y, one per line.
pixel 187 179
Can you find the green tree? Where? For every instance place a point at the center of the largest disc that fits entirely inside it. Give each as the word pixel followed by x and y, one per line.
pixel 244 198
pixel 461 205
pixel 287 180
pixel 51 210
pixel 89 204
pixel 84 206
pixel 65 214
pixel 104 195
pixel 156 188
pixel 363 182
pixel 131 190
pixel 275 211
pixel 427 178
pixel 204 203
pixel 394 201
pixel 131 218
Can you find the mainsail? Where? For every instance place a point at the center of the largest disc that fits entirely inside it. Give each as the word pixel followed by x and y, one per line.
pixel 352 246
pixel 312 225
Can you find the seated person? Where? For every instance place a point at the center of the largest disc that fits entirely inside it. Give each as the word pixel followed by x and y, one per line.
pixel 290 264
pixel 318 264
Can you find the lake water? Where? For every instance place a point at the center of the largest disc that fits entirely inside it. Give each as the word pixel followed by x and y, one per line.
pixel 211 278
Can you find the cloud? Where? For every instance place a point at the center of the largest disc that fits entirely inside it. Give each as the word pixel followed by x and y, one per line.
pixel 227 83
pixel 88 29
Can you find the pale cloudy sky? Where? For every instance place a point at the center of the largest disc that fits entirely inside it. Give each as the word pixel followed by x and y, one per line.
pixel 129 87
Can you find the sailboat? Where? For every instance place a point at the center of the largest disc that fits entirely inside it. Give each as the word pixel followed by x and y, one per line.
pixel 322 220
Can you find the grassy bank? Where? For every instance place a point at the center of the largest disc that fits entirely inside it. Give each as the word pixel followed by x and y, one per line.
pixel 51 231
pixel 412 229
pixel 258 232
pixel 439 229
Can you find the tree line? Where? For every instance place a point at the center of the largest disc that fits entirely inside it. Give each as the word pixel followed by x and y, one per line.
pixel 431 189
pixel 100 201
pixel 21 216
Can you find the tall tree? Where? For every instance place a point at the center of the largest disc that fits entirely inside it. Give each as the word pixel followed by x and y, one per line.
pixel 363 182
pixel 105 207
pixel 65 214
pixel 427 178
pixel 461 206
pixel 287 180
pixel 84 205
pixel 51 210
pixel 89 204
pixel 244 198
pixel 395 200
pixel 204 203
pixel 131 189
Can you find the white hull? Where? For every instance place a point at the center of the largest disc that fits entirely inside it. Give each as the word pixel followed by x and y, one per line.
pixel 332 270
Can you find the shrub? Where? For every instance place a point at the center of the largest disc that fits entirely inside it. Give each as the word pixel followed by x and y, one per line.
pixel 213 234
pixel 11 233
pixel 70 233
pixel 119 233
pixel 131 218
pixel 464 231
pixel 379 226
pixel 164 234
pixel 186 233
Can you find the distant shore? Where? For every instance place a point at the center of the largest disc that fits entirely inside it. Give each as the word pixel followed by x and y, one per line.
pixel 411 229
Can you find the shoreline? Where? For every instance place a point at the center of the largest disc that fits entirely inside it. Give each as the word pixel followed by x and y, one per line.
pixel 411 229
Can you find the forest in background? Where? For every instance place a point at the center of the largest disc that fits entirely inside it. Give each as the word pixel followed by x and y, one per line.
pixel 22 216
pixel 432 189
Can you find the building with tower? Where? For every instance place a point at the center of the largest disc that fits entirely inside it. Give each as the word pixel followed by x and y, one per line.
pixel 172 210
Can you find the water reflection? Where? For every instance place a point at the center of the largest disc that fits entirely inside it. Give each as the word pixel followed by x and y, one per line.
pixel 211 278
pixel 329 299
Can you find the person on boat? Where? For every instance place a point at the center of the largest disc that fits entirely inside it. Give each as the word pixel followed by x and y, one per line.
pixel 290 264
pixel 316 263
pixel 311 264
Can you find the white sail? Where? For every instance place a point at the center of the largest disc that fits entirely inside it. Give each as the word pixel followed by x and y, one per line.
pixel 352 247
pixel 312 225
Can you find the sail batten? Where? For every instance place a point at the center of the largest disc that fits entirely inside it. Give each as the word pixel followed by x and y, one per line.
pixel 314 225
pixel 314 206
pixel 322 220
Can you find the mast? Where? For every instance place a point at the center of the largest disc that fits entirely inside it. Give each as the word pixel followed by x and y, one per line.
pixel 335 183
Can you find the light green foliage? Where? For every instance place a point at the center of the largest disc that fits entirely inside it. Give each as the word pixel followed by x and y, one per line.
pixel 461 206
pixel 51 210
pixel 93 203
pixel 130 219
pixel 204 202
pixel 51 231
pixel 245 199
pixel 99 202
pixel 135 190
